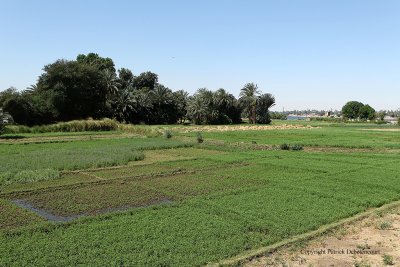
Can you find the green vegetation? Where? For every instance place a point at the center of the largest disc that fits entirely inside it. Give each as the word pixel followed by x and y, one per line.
pixel 387 260
pixel 13 217
pixel 189 206
pixel 199 138
pixel 357 110
pixel 2 122
pixel 167 134
pixel 351 136
pixel 290 147
pixel 91 87
pixel 70 126
pixel 35 162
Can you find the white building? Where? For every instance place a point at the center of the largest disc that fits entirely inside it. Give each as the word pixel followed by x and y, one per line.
pixel 391 120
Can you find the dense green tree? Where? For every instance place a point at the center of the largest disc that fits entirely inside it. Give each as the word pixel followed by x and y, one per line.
pixel 248 99
pixel 207 107
pixel 123 105
pixel 164 110
pixel 228 106
pixel 30 108
pixel 351 110
pixel 367 112
pixel 197 110
pixel 264 103
pixel 143 98
pixel 78 90
pixel 126 78
pixel 181 98
pixel 89 87
pixel 111 82
pixel 95 60
pixel 8 94
pixel 145 80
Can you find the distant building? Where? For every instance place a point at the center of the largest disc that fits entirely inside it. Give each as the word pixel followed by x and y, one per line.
pixel 390 119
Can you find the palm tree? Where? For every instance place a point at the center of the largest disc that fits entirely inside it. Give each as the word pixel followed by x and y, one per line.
pixel 197 111
pixel 31 89
pixel 223 99
pixel 248 98
pixel 111 81
pixel 162 95
pixel 124 104
pixel 181 98
pixel 264 103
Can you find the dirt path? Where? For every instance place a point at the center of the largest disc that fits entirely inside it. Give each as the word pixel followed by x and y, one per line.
pixel 372 241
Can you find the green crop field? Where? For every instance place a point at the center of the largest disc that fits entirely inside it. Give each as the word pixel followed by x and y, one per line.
pixel 133 201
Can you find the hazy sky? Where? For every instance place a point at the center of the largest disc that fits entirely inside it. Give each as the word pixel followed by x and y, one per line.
pixel 309 54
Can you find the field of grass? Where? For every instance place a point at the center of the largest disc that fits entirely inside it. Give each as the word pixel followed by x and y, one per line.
pixel 34 162
pixel 189 206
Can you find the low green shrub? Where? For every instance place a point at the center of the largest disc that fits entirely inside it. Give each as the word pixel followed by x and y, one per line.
pixel 387 260
pixel 296 147
pixel 291 147
pixel 284 146
pixel 167 134
pixel 199 138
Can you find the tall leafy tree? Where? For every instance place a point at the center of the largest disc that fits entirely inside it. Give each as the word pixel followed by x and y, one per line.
pixel 197 110
pixel 126 78
pixel 97 61
pixel 181 98
pixel 351 110
pixel 111 82
pixel 146 80
pixel 264 103
pixel 164 106
pixel 367 112
pixel 123 105
pixel 248 98
pixel 78 90
pixel 207 107
pixel 8 94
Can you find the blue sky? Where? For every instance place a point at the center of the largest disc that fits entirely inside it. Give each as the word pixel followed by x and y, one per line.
pixel 309 54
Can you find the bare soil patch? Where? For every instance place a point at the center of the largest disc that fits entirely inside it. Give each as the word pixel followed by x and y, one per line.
pixel 372 241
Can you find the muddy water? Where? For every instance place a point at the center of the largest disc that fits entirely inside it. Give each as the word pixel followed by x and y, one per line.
pixel 43 213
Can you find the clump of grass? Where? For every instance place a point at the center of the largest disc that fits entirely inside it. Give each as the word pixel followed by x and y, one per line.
pixel 387 260
pixel 384 225
pixel 285 146
pixel 362 263
pixel 167 134
pixel 29 176
pixel 296 147
pixel 199 137
pixel 69 126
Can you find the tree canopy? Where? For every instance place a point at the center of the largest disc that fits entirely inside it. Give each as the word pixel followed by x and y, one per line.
pixel 91 87
pixel 357 110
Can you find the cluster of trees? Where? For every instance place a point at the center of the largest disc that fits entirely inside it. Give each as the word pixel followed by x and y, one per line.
pixel 357 110
pixel 90 86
